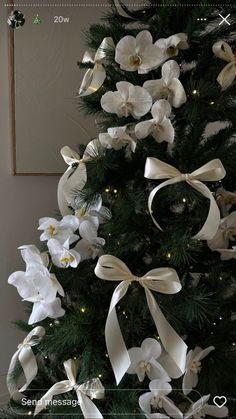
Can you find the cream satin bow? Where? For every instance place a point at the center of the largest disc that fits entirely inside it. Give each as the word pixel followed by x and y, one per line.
pixel 94 77
pixel 212 171
pixel 163 280
pixel 222 50
pixel 92 389
pixel 25 356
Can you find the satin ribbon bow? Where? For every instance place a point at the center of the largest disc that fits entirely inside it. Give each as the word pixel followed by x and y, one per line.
pixel 25 356
pixel 222 50
pixel 94 77
pixel 92 389
pixel 163 280
pixel 212 171
pixel 72 180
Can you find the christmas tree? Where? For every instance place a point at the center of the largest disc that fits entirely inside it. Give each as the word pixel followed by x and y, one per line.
pixel 131 299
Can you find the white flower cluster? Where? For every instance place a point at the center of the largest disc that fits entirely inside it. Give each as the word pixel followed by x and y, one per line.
pixel 155 96
pixel 152 361
pixel 40 287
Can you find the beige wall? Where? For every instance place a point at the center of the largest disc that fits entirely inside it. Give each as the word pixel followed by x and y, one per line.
pixel 23 201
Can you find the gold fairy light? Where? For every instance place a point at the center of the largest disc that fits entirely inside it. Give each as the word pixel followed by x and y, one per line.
pixel 184 200
pixel 194 92
pixel 107 190
pixel 83 309
pixel 168 255
pixel 212 103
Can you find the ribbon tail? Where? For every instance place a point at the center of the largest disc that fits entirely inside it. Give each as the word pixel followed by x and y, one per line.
pixel 88 408
pixel 69 185
pixel 116 348
pixel 93 80
pixel 153 193
pixel 171 341
pixel 58 388
pixel 120 9
pixel 212 222
pixel 29 365
pixel 11 382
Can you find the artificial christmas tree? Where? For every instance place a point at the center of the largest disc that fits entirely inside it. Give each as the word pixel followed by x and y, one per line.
pixel 134 291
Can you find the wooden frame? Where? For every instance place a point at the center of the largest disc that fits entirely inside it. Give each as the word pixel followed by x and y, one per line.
pixel 12 104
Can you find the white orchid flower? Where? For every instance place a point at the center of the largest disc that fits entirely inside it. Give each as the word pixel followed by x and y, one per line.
pixel 168 87
pixel 157 400
pixel 117 138
pixel 127 100
pixel 31 255
pixel 227 254
pixel 138 54
pixel 171 46
pixel 60 230
pixel 89 247
pixel 201 409
pixel 144 361
pixel 39 287
pixel 193 367
pixel 225 233
pixel 61 254
pixel 160 126
pixel 95 212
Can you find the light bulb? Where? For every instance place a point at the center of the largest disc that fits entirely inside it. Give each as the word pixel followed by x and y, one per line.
pixel 83 309
pixel 168 255
pixel 107 190
pixel 184 200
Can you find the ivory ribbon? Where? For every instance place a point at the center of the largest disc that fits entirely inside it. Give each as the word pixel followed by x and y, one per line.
pixel 120 9
pixel 222 50
pixel 212 171
pixel 164 280
pixel 27 360
pixel 92 389
pixel 94 77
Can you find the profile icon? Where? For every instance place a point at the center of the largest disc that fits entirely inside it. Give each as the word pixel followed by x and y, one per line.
pixel 16 19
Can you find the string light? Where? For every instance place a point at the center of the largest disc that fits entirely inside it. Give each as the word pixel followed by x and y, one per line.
pixel 107 356
pixel 30 413
pixel 220 278
pixel 51 324
pixel 107 190
pixel 99 375
pixel 115 191
pixel 45 357
pixel 124 313
pixel 194 92
pixel 184 200
pixel 212 103
pixel 74 357
pixel 109 234
pixel 82 309
pixel 214 324
pixel 220 318
pixel 168 255
pixel 233 344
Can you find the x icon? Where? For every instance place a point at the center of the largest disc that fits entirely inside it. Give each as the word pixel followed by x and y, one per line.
pixel 224 19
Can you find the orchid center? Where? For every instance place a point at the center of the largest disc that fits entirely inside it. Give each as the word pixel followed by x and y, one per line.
pixel 66 260
pixel 126 108
pixel 165 93
pixel 81 212
pixel 51 230
pixel 156 402
pixel 195 366
pixel 172 50
pixel 157 128
pixel 145 365
pixel 135 60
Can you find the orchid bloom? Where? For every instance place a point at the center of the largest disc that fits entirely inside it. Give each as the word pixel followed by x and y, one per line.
pixel 171 46
pixel 117 138
pixel 193 367
pixel 138 54
pixel 158 401
pixel 225 233
pixel 95 213
pixel 227 254
pixel 127 100
pixel 39 287
pixel 90 246
pixel 201 409
pixel 160 126
pixel 144 361
pixel 61 254
pixel 60 230
pixel 168 87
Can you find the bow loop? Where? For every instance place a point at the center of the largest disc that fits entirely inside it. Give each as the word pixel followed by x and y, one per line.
pixel 162 280
pixel 94 77
pixel 157 169
pixel 209 172
pixel 227 75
